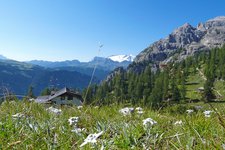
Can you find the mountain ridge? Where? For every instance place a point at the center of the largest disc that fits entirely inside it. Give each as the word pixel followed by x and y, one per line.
pixel 115 60
pixel 18 76
pixel 187 39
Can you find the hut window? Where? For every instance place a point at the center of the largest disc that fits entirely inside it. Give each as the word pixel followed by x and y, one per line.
pixel 70 97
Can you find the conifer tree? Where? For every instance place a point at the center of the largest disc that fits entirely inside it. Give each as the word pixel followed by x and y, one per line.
pixel 30 93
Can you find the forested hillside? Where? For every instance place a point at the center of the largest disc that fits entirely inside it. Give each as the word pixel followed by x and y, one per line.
pixel 197 78
pixel 17 77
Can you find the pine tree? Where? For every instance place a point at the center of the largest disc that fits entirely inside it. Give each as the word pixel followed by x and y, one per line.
pixel 165 84
pixel 30 93
pixel 208 92
pixel 156 97
pixel 175 91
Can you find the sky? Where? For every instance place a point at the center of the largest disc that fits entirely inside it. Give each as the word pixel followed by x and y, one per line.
pixel 58 30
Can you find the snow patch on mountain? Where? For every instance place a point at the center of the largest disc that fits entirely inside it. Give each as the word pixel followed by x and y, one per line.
pixel 121 58
pixel 2 57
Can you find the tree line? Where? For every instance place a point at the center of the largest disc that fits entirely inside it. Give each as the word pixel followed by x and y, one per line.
pixel 164 86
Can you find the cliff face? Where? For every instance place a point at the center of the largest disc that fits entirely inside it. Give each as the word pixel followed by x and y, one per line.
pixel 184 41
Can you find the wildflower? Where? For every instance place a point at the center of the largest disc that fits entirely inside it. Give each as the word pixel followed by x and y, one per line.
pixel 31 99
pixel 126 111
pixel 139 110
pixel 73 120
pixel 18 115
pixel 189 111
pixel 91 138
pixel 55 141
pixel 149 122
pixel 207 113
pixel 223 146
pixel 96 107
pixel 54 110
pixel 180 122
pixel 198 107
pixel 33 127
pixel 77 130
pixel 79 107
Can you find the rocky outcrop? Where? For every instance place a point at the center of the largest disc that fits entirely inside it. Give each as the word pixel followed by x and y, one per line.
pixel 185 41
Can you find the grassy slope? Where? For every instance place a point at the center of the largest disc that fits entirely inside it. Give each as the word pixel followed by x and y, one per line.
pixel 120 132
pixel 196 80
pixel 220 87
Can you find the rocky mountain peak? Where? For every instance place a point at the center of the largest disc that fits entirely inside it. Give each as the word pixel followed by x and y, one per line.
pixel 215 22
pixel 184 28
pixel 219 18
pixel 184 41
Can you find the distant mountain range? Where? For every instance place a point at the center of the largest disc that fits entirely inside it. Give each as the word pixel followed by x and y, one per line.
pixel 108 63
pixel 18 76
pixel 103 65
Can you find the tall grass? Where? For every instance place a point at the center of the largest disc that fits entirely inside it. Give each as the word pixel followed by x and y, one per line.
pixel 41 129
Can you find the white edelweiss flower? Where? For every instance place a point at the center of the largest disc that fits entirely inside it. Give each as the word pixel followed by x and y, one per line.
pixel 33 127
pixel 180 122
pixel 18 115
pixel 78 130
pixel 79 107
pixel 139 109
pixel 189 111
pixel 223 146
pixel 73 120
pixel 207 113
pixel 149 122
pixel 96 107
pixel 91 138
pixel 54 110
pixel 126 111
pixel 140 112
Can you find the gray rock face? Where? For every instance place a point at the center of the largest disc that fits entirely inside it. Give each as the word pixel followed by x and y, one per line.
pixel 186 40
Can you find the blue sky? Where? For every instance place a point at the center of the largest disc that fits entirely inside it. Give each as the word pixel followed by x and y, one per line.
pixel 72 29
